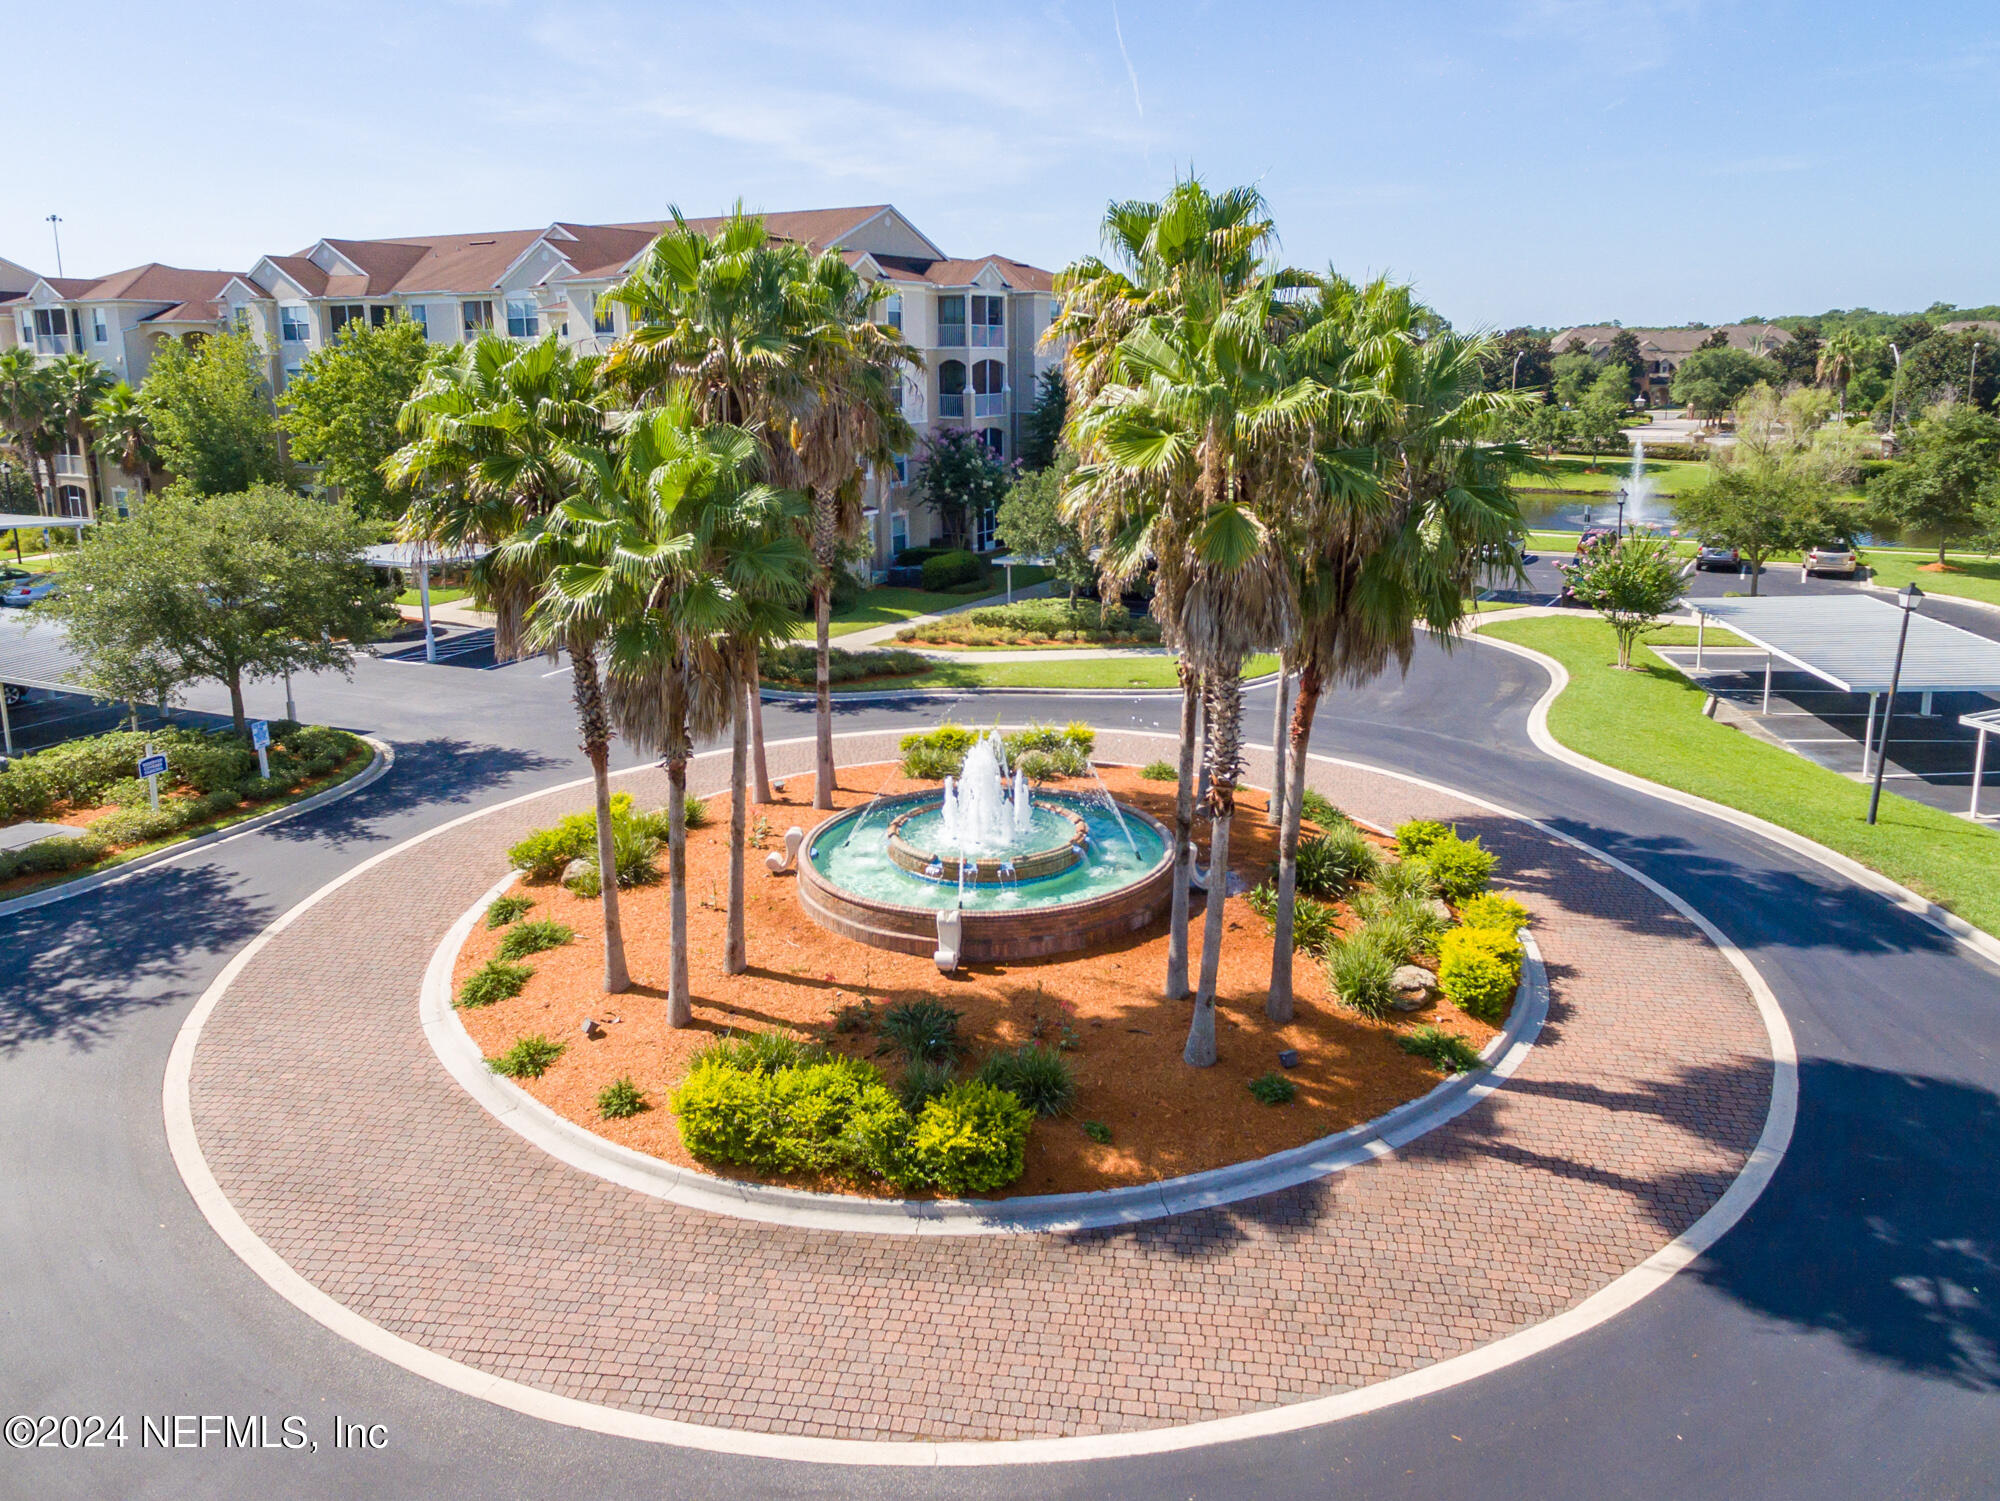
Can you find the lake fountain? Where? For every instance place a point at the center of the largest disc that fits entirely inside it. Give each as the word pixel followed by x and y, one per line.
pixel 1023 872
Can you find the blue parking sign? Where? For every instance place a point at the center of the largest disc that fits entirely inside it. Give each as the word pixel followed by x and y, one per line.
pixel 152 766
pixel 260 734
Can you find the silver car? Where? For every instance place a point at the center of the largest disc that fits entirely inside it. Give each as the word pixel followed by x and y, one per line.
pixel 20 587
pixel 1832 557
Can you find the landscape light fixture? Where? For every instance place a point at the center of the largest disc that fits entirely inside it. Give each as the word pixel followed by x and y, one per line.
pixel 1908 597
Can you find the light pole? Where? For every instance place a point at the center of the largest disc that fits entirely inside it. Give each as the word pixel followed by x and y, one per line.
pixel 1895 389
pixel 1972 377
pixel 53 221
pixel 1514 381
pixel 1621 513
pixel 1909 598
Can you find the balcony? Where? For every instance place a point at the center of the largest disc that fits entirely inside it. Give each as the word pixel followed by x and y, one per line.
pixel 989 336
pixel 994 405
pixel 952 404
pixel 51 343
pixel 951 336
pixel 69 466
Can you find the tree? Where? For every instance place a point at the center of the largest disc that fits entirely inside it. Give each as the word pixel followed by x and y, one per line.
pixel 79 383
pixel 1709 380
pixel 1717 339
pixel 1757 508
pixel 29 412
pixel 958 479
pixel 1032 523
pixel 1955 367
pixel 1631 583
pixel 229 589
pixel 341 410
pixel 1573 374
pixel 1936 486
pixel 1601 416
pixel 1838 358
pixel 1041 433
pixel 492 428
pixel 1799 356
pixel 125 434
pixel 212 415
pixel 1519 360
pixel 1625 354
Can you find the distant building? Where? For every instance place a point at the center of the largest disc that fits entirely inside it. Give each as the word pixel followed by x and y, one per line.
pixel 976 322
pixel 1665 348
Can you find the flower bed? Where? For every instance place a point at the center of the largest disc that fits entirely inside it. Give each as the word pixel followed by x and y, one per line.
pixel 1125 1109
pixel 1038 622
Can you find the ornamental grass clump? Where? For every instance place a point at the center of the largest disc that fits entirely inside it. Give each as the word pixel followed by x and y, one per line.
pixel 534 937
pixel 506 909
pixel 1038 1077
pixel 1359 966
pixel 494 981
pixel 921 1029
pixel 529 1057
pixel 1447 1052
pixel 1273 1089
pixel 620 1099
pixel 1478 971
pixel 1415 922
pixel 1334 860
pixel 1315 926
pixel 1317 808
pixel 1159 771
pixel 922 1082
pixel 1046 751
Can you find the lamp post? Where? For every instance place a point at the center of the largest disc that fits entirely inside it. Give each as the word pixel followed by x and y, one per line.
pixel 1895 389
pixel 1514 381
pixel 55 228
pixel 1909 598
pixel 1621 513
pixel 1972 377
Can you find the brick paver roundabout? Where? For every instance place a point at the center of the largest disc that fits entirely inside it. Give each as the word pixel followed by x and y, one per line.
pixel 339 1139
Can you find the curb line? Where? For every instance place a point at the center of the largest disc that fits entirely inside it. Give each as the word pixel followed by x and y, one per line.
pixel 385 757
pixel 911 695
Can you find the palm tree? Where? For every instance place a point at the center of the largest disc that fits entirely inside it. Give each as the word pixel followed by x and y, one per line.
pixel 489 424
pixel 28 410
pixel 79 383
pixel 1411 507
pixel 1191 243
pixel 125 434
pixel 1837 359
pixel 666 557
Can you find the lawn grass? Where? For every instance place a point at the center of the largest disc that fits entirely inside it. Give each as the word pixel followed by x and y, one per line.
pixel 1649 722
pixel 886 606
pixel 1573 475
pixel 1089 672
pixel 1971 577
pixel 439 596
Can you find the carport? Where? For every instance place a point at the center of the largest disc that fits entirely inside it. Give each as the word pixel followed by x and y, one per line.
pixel 1849 641
pixel 31 659
pixel 28 521
pixel 422 557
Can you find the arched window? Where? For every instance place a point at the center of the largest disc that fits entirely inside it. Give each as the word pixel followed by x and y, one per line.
pixel 70 502
pixel 951 389
pixel 989 387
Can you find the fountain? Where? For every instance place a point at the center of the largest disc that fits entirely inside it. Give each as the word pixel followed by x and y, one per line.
pixel 1022 872
pixel 1638 485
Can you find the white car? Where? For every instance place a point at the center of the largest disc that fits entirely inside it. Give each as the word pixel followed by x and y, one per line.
pixel 20 587
pixel 1832 557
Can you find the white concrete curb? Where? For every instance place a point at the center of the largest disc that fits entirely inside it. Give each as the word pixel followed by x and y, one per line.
pixel 1978 940
pixel 1618 1295
pixel 385 757
pixel 588 1152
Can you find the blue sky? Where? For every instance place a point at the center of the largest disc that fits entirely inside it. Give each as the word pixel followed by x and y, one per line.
pixel 1523 161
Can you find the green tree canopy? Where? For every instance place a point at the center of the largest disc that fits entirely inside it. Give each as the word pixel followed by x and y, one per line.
pixel 1936 488
pixel 1959 367
pixel 1604 409
pixel 1518 360
pixel 1758 509
pixel 1031 523
pixel 212 417
pixel 1573 374
pixel 957 480
pixel 340 411
pixel 1625 354
pixel 1631 584
pixel 228 589
pixel 1041 434
pixel 1709 380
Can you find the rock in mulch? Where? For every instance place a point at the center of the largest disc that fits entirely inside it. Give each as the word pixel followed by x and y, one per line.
pixel 1412 984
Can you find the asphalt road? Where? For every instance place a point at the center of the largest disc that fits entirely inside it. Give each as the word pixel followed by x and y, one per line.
pixel 1843 1340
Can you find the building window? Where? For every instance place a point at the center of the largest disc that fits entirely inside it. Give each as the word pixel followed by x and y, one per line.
pixel 982 529
pixel 993 441
pixel 478 318
pixel 340 314
pixel 989 388
pixel 1055 308
pixel 420 315
pixel 899 530
pixel 294 325
pixel 989 322
pixel 603 319
pixel 121 501
pixel 293 372
pixel 902 469
pixel 239 319
pixel 951 322
pixel 379 315
pixel 892 310
pixel 51 330
pixel 951 389
pixel 100 331
pixel 27 331
pixel 522 321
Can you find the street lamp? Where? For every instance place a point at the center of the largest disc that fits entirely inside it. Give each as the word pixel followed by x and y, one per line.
pixel 1909 598
pixel 1895 389
pixel 1621 513
pixel 1514 382
pixel 1972 377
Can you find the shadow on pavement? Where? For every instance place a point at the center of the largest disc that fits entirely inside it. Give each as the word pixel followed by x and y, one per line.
pixel 441 770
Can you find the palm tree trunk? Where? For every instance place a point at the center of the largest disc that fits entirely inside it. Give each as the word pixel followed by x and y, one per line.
pixel 1177 934
pixel 1225 730
pixel 1278 1005
pixel 588 692
pixel 734 957
pixel 760 767
pixel 1279 761
pixel 823 696
pixel 680 1005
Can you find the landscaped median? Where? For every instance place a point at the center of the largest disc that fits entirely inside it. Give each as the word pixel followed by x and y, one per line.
pixel 791 671
pixel 212 782
pixel 1649 722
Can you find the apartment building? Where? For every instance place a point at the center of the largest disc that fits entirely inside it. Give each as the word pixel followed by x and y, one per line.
pixel 976 322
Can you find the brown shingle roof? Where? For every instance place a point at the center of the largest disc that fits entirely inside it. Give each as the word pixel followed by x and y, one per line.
pixel 302 271
pixel 1018 275
pixel 156 283
pixel 1673 341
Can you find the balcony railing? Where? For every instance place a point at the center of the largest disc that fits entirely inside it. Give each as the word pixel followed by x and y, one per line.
pixel 70 466
pixel 951 336
pixel 990 406
pixel 51 343
pixel 952 404
pixel 988 336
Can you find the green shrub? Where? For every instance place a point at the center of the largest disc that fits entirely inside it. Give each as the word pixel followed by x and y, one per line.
pixel 1098 1132
pixel 970 1139
pixel 493 981
pixel 1318 808
pixel 1044 751
pixel 544 854
pixel 222 800
pixel 1038 1077
pixel 695 813
pixel 1445 1051
pixel 825 1116
pixel 635 846
pixel 138 825
pixel 932 755
pixel 619 1099
pixel 1358 967
pixel 127 792
pixel 922 1082
pixel 1160 771
pixel 1418 835
pixel 1460 868
pixel 264 789
pixel 1336 859
pixel 1314 926
pixel 217 763
pixel 528 1058
pixel 506 909
pixel 1478 971
pixel 534 937
pixel 948 570
pixel 1273 1089
pixel 794 666
pixel 1407 879
pixel 1492 910
pixel 1403 925
pixel 921 1029
pixel 57 855
pixel 26 792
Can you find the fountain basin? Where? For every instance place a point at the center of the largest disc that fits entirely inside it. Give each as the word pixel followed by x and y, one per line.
pixel 1116 881
pixel 1064 838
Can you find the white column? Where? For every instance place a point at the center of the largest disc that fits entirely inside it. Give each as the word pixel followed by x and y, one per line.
pixel 1700 631
pixel 7 736
pixel 1868 738
pixel 1767 685
pixel 1978 768
pixel 1925 708
pixel 424 598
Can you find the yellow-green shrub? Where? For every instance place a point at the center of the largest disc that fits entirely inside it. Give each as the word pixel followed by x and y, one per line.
pixel 1490 909
pixel 1478 970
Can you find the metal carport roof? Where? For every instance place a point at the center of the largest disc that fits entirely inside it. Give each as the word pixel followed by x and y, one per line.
pixel 38 658
pixel 1849 640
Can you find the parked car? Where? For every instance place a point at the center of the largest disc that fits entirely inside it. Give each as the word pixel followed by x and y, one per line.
pixel 1717 555
pixel 20 587
pixel 1832 557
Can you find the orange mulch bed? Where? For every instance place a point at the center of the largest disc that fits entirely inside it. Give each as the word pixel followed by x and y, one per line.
pixel 1165 1118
